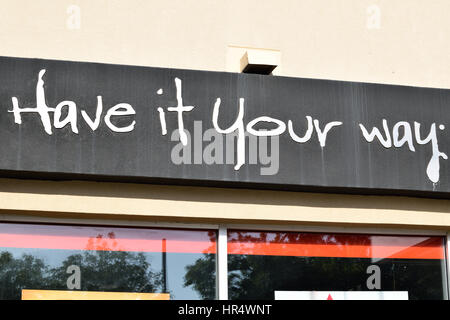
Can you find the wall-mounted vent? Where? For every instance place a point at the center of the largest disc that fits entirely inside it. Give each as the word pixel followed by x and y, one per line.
pixel 258 62
pixel 253 60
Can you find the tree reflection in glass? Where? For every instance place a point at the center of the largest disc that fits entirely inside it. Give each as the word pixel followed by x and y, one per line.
pixel 260 263
pixel 38 257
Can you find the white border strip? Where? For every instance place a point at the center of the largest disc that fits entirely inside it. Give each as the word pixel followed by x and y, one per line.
pixel 447 262
pixel 222 264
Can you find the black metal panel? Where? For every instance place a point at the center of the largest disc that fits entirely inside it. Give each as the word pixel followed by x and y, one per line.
pixel 347 161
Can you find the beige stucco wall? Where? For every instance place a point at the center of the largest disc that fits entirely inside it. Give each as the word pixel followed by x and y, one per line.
pixel 408 44
pixel 386 41
pixel 100 200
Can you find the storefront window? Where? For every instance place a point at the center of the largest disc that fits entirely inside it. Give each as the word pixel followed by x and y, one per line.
pixel 36 260
pixel 261 263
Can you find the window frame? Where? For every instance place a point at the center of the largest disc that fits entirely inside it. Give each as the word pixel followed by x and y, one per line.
pixel 222 236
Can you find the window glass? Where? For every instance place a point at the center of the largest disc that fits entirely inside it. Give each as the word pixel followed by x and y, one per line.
pixel 260 263
pixel 106 259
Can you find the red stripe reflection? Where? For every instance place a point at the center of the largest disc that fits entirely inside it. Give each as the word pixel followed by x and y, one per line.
pixel 327 245
pixel 107 239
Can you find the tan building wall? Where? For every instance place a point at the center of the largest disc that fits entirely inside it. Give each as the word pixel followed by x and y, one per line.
pixel 385 41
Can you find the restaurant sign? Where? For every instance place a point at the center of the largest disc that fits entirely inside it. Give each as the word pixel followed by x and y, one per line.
pixel 74 120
